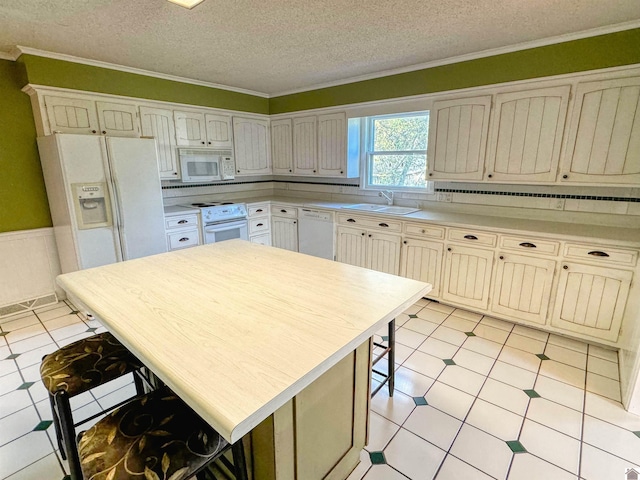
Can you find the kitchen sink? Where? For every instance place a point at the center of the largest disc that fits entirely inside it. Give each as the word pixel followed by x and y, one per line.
pixel 389 209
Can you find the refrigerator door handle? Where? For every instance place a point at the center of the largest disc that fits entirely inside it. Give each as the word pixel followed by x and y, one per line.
pixel 115 205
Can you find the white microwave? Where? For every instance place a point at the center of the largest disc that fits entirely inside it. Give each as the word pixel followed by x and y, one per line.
pixel 199 165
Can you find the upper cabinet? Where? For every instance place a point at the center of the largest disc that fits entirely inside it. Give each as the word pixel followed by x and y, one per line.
pixel 158 123
pixel 332 144
pixel 71 115
pixel 118 119
pixel 190 129
pixel 526 135
pixel 218 131
pixel 457 138
pixel 251 142
pixel 603 144
pixel 281 146
pixel 305 148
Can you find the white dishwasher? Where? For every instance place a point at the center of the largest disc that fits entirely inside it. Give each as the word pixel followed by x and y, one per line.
pixel 315 233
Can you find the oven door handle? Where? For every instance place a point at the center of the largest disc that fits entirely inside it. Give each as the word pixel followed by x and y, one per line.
pixel 220 227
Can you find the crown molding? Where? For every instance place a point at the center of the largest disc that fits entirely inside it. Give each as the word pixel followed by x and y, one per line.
pixel 10 55
pixel 112 66
pixel 594 32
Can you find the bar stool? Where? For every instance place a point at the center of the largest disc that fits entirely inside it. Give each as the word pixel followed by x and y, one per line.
pixel 388 350
pixel 77 368
pixel 154 436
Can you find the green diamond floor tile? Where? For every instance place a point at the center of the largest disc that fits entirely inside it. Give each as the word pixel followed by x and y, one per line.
pixel 385 338
pixel 637 434
pixel 43 425
pixel 532 393
pixel 542 356
pixel 516 446
pixel 377 458
pixel 420 401
pixel 2 334
pixel 411 315
pixel 74 312
pixel 92 329
pixel 470 334
pixel 25 386
pixel 12 356
pixel 449 361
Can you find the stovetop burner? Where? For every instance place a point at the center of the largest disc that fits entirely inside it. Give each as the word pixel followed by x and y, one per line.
pixel 209 204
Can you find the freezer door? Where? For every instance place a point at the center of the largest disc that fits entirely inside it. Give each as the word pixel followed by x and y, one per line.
pixel 133 163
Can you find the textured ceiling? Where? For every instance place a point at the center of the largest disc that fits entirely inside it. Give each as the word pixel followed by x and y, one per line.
pixel 277 45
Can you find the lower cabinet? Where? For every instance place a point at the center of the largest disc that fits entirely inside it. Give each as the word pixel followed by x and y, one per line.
pixel 467 276
pixel 369 249
pixel 522 287
pixel 284 233
pixel 351 246
pixel 422 260
pixel 591 300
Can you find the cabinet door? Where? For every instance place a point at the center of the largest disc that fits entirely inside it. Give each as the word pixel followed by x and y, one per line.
pixel 281 146
pixel 603 144
pixel 251 142
pixel 591 300
pixel 383 252
pixel 284 233
pixel 422 260
pixel 332 144
pixel 218 131
pixel 457 138
pixel 190 129
pixel 351 246
pixel 71 115
pixel 118 120
pixel 526 135
pixel 158 123
pixel 522 287
pixel 305 145
pixel 467 274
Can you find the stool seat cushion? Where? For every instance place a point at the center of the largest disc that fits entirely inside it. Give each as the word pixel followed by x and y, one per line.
pixel 87 363
pixel 156 436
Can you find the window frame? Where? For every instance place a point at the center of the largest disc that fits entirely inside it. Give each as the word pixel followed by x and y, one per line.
pixel 367 153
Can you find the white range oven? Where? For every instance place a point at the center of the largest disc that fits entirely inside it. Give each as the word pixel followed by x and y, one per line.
pixel 223 221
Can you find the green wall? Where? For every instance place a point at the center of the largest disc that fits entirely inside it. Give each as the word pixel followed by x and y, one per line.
pixel 621 48
pixel 23 200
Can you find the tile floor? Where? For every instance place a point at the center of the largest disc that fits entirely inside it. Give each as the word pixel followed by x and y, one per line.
pixel 476 398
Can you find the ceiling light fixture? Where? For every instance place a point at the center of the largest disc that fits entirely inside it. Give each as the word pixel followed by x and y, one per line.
pixel 187 3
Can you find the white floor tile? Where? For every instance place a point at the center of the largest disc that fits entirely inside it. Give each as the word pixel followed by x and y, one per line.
pixel 383 472
pixel 421 326
pixel 612 439
pixel 440 307
pixel 604 353
pixel 402 353
pixel 556 416
pixel 512 375
pixel 494 322
pixel 362 467
pixel 74 338
pixel 24 451
pixel 474 361
pixel 483 451
pixel 24 333
pixel 409 338
pixel 527 344
pixel 423 302
pixel 438 348
pixel 117 396
pixel 381 431
pixel 53 313
pixel 566 342
pixel 458 323
pixel 31 373
pixel 396 408
pixel 7 367
pixel 560 392
pixel 413 456
pixel 412 383
pixel 31 343
pixel 520 358
pixel 85 412
pixel 505 396
pixel 603 367
pixel 491 333
pixel 431 315
pixel 554 447
pixel 10 382
pixel 483 346
pixel 34 357
pixel 13 401
pixel 531 333
pixel 566 355
pixel 413 309
pixel 563 373
pixel 425 364
pixel 38 392
pixel 603 386
pixel 433 425
pixel 474 317
pixel 47 467
pixel 450 400
pixel 18 424
pixel 449 335
pixel 497 421
pixel 22 321
pixel 63 321
pixel 401 320
pixel 455 469
pixel 598 465
pixel 611 411
pixel 63 333
pixel 462 379
pixel 527 467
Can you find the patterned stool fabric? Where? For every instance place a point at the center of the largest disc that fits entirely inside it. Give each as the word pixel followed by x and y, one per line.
pixel 156 436
pixel 87 363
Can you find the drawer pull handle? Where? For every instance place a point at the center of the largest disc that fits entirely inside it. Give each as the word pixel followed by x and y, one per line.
pixel 470 237
pixel 259 210
pixel 351 220
pixel 183 221
pixel 383 225
pixel 528 245
pixel 259 224
pixel 184 239
pixel 283 211
pixel 598 253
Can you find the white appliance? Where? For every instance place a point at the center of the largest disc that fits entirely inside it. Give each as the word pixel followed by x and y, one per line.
pixel 105 198
pixel 198 165
pixel 315 233
pixel 222 221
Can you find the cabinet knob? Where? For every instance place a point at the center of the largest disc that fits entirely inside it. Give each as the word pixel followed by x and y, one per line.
pixel 237 171
pixel 528 245
pixel 175 173
pixel 314 171
pixel 290 170
pixel 294 222
pixel 93 131
pixel 104 132
pixel 362 234
pixel 283 211
pixel 566 267
pixel 405 242
pixel 369 235
pixel 448 249
pixel 202 143
pixel 501 257
pixel 490 176
pixel 423 231
pixel 431 174
pixel 565 176
pixel 341 171
pixel 209 143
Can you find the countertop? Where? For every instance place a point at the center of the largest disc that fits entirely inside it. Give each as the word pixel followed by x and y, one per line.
pixel 180 210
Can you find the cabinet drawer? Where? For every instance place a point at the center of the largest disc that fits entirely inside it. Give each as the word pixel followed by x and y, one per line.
pixel 258 225
pixel 264 239
pixel 422 230
pixel 472 237
pixel 183 239
pixel 258 209
pixel 532 245
pixel 371 223
pixel 181 221
pixel 600 254
pixel 284 211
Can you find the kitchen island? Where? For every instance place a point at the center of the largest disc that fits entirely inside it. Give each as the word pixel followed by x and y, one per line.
pixel 258 341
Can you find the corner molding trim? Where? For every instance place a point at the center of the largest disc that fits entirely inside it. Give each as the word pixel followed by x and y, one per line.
pixel 20 50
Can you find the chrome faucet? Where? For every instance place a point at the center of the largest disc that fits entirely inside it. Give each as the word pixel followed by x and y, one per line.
pixel 387 195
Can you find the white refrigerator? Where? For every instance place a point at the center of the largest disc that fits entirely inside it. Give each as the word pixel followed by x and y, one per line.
pixel 105 198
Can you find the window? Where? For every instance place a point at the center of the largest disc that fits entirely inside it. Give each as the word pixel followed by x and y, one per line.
pixel 396 151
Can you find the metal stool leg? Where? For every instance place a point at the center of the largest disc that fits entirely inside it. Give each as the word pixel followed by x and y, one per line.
pixel 68 431
pixel 239 461
pixel 56 427
pixel 392 356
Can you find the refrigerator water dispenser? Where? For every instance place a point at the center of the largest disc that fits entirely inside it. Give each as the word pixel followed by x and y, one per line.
pixel 91 205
